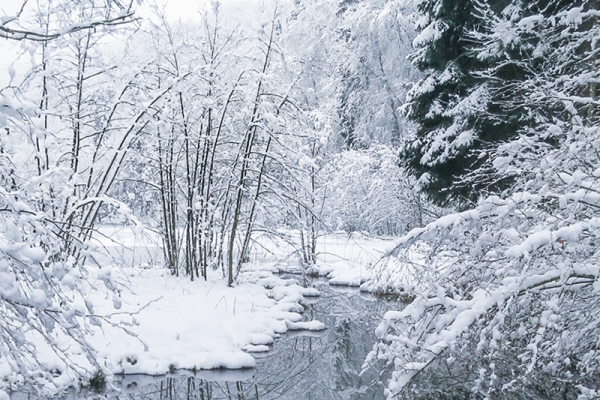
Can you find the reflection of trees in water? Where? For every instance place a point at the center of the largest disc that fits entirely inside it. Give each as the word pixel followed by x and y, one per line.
pixel 190 387
pixel 324 366
pixel 328 367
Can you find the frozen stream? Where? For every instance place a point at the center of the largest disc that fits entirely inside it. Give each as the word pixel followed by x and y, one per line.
pixel 301 365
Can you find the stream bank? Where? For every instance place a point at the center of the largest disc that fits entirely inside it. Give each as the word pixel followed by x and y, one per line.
pixel 301 364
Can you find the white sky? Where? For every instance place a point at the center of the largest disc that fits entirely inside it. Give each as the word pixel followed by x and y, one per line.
pixel 184 10
pixel 187 10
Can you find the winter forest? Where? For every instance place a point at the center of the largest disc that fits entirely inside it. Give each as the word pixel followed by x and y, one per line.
pixel 178 194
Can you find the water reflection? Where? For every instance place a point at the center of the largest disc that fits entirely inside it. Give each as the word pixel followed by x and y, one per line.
pixel 301 365
pixel 326 367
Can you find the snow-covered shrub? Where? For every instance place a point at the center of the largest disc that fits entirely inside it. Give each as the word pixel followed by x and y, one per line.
pixel 510 287
pixel 507 290
pixel 44 305
pixel 55 119
pixel 368 191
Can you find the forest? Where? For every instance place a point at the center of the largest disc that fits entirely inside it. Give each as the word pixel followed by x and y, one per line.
pixel 460 139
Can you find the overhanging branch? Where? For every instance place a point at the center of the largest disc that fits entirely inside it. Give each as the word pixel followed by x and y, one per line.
pixel 21 34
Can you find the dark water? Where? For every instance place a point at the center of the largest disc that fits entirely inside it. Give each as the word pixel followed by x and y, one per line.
pixel 301 365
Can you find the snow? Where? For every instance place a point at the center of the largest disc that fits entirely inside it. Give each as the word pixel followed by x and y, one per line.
pixel 344 259
pixel 429 34
pixel 271 122
pixel 155 322
pixel 347 277
pixel 174 322
pixel 531 21
pixel 256 348
pixel 69 281
pixel 574 16
pixel 210 334
pixel 545 237
pixel 308 325
pixel 35 254
pixel 465 138
pixel 38 298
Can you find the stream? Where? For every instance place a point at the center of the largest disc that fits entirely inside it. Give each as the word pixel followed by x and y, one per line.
pixel 305 365
pixel 301 365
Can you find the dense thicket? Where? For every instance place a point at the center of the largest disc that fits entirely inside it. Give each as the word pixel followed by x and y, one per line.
pixel 67 122
pixel 507 291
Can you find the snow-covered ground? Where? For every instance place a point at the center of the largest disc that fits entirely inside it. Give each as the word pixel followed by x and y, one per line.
pixel 161 322
pixel 345 259
pixel 174 323
pixel 196 325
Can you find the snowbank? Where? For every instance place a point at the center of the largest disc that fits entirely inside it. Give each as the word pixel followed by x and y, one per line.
pixel 197 325
pixel 158 322
pixel 344 259
pixel 174 323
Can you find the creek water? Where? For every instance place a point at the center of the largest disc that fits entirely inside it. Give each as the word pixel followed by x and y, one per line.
pixel 301 365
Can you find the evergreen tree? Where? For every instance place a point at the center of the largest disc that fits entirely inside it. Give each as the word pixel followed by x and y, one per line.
pixel 447 127
pixel 535 58
pixel 485 60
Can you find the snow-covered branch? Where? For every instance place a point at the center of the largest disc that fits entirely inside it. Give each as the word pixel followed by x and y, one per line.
pixel 13 33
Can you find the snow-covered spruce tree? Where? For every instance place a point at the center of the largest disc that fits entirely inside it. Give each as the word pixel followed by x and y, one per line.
pixel 507 292
pixel 444 103
pixel 462 112
pixel 527 82
pixel 473 98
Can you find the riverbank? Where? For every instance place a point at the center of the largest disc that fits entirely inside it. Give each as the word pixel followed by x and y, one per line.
pixel 165 323
pixel 160 323
pixel 300 364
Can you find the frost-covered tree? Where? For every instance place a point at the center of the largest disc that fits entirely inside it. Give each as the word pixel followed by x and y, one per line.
pixel 373 72
pixel 505 291
pixel 351 55
pixel 228 146
pixel 63 138
pixel 368 192
pixel 19 26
